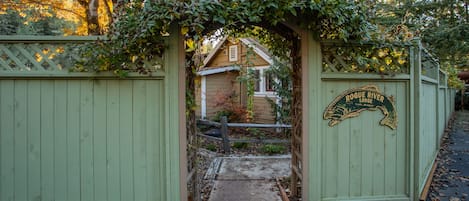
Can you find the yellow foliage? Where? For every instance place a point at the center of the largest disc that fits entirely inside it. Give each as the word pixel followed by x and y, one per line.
pixel 190 45
pixel 184 30
pixel 388 60
pixel 401 61
pixel 69 10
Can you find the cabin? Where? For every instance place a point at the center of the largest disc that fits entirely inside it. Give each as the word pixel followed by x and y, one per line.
pixel 219 90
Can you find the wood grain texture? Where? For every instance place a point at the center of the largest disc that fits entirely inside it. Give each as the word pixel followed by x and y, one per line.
pixel 82 140
pixel 7 170
pixel 360 157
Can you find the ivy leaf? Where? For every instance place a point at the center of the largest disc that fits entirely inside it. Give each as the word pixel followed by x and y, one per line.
pixel 184 30
pixel 219 19
pixel 190 45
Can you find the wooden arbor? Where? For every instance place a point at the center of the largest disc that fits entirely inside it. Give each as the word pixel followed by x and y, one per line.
pixel 294 35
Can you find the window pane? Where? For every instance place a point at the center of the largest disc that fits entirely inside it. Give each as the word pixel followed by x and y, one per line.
pixel 269 81
pixel 257 80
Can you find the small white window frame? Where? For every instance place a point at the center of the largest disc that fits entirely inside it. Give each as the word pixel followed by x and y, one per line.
pixel 262 89
pixel 233 53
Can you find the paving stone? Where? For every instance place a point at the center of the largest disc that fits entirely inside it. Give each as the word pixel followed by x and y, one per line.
pixel 249 178
pixel 254 168
pixel 235 190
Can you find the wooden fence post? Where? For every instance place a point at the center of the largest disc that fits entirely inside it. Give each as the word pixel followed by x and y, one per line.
pixel 224 134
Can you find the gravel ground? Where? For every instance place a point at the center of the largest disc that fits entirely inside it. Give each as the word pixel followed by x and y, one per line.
pixel 451 178
pixel 205 159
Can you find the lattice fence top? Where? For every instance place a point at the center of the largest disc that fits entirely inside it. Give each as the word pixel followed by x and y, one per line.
pixel 430 65
pixel 39 53
pixel 442 78
pixel 358 58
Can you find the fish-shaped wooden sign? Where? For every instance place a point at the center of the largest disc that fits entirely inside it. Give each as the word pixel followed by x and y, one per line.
pixel 353 101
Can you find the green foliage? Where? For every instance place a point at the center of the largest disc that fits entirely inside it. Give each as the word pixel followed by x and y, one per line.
pixel 138 33
pixel 16 23
pixel 277 44
pixel 250 80
pixel 240 145
pixel 281 108
pixel 211 147
pixel 377 58
pixel 255 132
pixel 273 149
pixel 223 113
pixel 442 26
pixel 453 79
pixel 10 22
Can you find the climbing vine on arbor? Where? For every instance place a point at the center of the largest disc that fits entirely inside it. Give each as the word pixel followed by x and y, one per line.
pixel 138 39
pixel 137 36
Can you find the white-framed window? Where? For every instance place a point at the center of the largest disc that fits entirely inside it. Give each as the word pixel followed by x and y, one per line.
pixel 233 53
pixel 264 85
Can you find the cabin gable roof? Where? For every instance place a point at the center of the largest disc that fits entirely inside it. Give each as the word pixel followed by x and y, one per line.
pixel 219 56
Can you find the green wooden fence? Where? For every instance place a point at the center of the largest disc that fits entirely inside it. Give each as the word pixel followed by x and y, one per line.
pixel 84 136
pixel 91 136
pixel 434 104
pixel 358 159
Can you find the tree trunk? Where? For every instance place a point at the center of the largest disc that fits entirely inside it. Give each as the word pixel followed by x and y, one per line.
pixel 109 9
pixel 193 60
pixel 92 16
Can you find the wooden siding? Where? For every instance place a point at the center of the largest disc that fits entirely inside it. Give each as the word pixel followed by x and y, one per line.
pixel 245 55
pixel 219 85
pixel 82 140
pixel 263 110
pixel 224 84
pixel 360 158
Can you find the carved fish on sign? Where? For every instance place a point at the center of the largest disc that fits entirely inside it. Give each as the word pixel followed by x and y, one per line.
pixel 353 101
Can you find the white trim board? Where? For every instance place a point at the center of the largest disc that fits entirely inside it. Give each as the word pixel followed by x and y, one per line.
pixel 257 50
pixel 218 70
pixel 203 97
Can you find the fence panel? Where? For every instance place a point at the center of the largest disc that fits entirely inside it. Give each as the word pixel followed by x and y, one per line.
pixel 361 158
pixel 442 117
pixel 82 140
pixel 429 129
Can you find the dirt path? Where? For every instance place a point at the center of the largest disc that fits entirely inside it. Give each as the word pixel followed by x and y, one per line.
pixel 451 178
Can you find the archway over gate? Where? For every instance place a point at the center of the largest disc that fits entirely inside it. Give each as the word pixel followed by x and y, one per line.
pixel 298 39
pixel 161 28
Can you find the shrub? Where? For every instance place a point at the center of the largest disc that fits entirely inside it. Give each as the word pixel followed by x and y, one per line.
pixel 255 132
pixel 230 108
pixel 211 147
pixel 273 149
pixel 240 145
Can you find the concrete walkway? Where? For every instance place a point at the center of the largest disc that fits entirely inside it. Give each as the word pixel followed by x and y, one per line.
pixel 248 178
pixel 451 178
